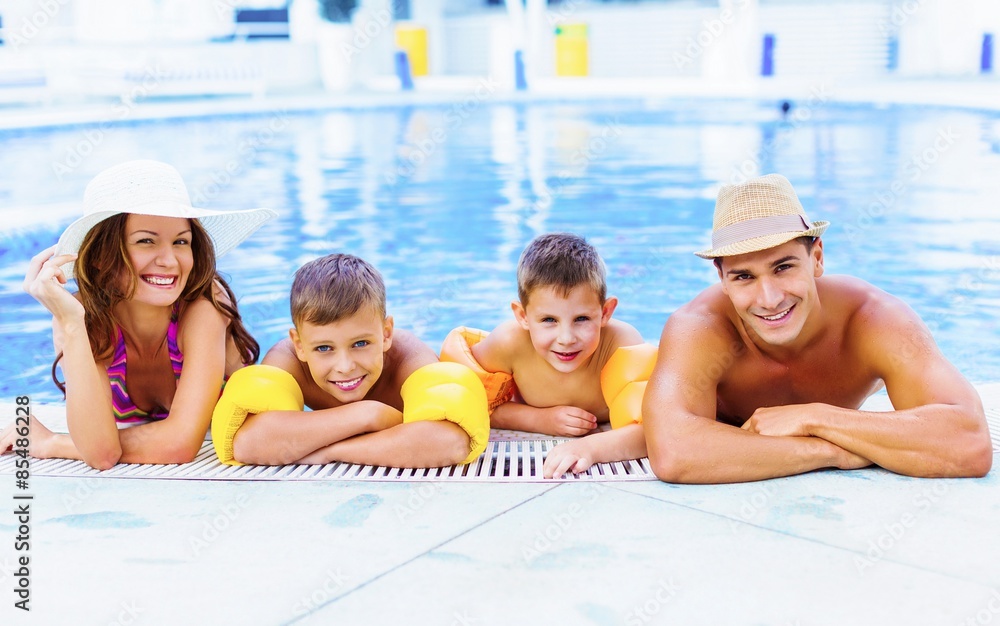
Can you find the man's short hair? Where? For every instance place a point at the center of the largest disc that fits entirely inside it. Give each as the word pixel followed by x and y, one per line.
pixel 562 261
pixel 334 287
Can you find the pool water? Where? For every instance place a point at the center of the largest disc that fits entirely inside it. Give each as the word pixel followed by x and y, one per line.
pixel 442 199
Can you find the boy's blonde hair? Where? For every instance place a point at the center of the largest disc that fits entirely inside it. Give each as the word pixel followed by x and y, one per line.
pixel 336 286
pixel 562 261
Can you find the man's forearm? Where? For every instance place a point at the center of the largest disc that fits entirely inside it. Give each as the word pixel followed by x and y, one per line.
pixel 931 441
pixel 717 453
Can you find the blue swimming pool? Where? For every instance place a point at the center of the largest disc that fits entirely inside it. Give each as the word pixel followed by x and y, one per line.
pixel 443 198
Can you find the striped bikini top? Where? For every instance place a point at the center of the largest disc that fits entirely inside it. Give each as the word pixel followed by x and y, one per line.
pixel 124 409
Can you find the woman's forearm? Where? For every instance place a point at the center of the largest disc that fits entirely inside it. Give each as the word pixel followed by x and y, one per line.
pixel 88 401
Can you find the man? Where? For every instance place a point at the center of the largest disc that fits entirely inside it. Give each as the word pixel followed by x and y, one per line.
pixel 761 375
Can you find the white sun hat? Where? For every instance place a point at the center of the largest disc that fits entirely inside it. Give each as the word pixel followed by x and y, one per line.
pixel 154 188
pixel 758 214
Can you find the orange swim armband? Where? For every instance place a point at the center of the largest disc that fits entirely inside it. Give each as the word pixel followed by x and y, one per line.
pixel 457 348
pixel 623 381
pixel 452 392
pixel 251 390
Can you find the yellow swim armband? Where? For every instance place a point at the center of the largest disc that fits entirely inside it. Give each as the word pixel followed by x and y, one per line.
pixel 453 392
pixel 457 348
pixel 623 381
pixel 251 390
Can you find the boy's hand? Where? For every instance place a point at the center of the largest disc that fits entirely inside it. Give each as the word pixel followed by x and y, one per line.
pixel 567 421
pixel 572 456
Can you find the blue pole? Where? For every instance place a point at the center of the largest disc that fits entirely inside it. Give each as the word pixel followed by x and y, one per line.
pixel 519 79
pixel 986 64
pixel 403 71
pixel 767 63
pixel 892 62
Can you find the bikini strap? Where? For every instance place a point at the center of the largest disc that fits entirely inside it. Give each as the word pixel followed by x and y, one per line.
pixel 176 358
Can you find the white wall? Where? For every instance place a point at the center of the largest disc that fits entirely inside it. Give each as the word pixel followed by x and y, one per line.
pixel 678 39
pixel 149 21
pixel 717 40
pixel 723 40
pixel 938 38
pixel 845 38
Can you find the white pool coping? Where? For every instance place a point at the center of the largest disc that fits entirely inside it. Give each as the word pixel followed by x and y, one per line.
pixel 979 93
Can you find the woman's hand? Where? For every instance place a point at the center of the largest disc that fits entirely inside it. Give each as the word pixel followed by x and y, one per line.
pixel 46 282
pixel 40 439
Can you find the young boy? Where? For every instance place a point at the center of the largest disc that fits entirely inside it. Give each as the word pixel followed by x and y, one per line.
pixel 565 355
pixel 379 396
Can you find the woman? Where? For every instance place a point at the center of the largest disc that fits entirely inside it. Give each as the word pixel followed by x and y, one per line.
pixel 153 331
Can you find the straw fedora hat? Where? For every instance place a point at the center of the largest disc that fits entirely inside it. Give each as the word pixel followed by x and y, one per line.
pixel 758 214
pixel 154 188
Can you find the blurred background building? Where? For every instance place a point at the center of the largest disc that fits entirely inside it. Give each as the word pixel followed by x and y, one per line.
pixel 56 50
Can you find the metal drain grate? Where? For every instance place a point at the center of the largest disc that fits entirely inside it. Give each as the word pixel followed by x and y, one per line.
pixel 510 457
pixel 993 420
pixel 503 461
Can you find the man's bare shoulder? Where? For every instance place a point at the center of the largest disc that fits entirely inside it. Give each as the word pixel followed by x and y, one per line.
pixel 710 312
pixel 886 336
pixel 860 304
pixel 873 317
pixel 850 290
pixel 700 330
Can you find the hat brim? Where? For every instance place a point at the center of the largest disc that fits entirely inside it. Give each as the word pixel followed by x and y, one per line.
pixel 227 229
pixel 765 242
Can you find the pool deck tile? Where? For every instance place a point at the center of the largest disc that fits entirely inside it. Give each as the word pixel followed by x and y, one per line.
pixel 591 555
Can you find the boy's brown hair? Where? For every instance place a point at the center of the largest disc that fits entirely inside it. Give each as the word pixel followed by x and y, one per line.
pixel 336 286
pixel 562 261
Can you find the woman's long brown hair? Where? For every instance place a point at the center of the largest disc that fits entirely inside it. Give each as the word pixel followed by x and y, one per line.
pixel 103 259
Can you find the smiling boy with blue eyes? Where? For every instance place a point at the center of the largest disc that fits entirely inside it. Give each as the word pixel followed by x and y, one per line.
pixel 379 395
pixel 572 365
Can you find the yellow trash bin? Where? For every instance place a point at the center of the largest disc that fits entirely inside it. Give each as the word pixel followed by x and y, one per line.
pixel 413 41
pixel 571 49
